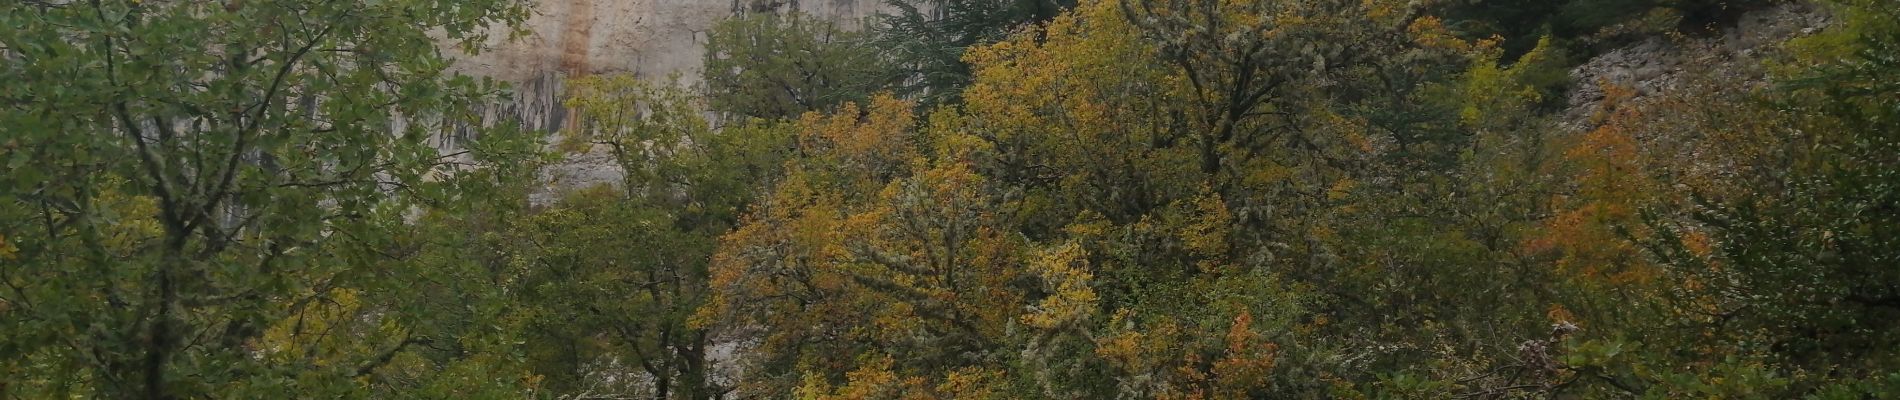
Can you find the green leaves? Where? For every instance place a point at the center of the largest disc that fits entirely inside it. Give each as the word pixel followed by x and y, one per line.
pixel 191 168
pixel 779 66
pixel 1139 199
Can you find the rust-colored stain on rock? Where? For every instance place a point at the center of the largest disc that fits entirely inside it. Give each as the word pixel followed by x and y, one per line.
pixel 576 38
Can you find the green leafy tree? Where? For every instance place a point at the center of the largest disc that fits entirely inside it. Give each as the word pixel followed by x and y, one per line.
pixel 613 273
pixel 183 176
pixel 781 65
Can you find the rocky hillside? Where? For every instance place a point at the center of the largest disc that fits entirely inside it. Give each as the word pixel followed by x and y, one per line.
pixel 1657 64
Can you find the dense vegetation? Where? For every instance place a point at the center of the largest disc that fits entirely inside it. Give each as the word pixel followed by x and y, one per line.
pixel 969 199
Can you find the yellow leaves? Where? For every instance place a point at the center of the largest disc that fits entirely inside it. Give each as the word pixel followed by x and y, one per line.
pixel 873 379
pixel 1699 244
pixel 1609 156
pixel 878 132
pixel 1088 225
pixel 1137 350
pixel 1064 272
pixel 895 321
pixel 1386 11
pixel 323 330
pixel 1207 234
pixel 951 143
pixel 951 185
pixel 1244 366
pixel 1590 230
pixel 1341 189
pixel 1560 315
pixel 1590 248
pixel 1248 362
pixel 1264 173
pixel 1613 105
pixel 932 236
pixel 137 221
pixel 1430 32
pixel 1169 357
pixel 7 250
pixel 865 143
pixel 1489 86
pixel 972 383
pixel 866 241
pixel 1075 81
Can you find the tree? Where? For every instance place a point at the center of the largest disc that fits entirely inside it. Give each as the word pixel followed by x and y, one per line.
pixel 927 39
pixel 179 172
pixel 614 272
pixel 1793 267
pixel 780 66
pixel 1106 199
pixel 788 268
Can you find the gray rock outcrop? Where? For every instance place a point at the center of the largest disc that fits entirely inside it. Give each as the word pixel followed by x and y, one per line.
pixel 1659 64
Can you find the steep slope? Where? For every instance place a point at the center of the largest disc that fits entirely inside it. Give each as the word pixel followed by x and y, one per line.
pixel 1657 65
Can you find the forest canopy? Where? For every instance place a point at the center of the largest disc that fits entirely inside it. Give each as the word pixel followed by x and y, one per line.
pixel 1007 199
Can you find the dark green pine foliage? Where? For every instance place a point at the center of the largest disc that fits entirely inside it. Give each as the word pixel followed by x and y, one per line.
pixel 925 39
pixel 1574 22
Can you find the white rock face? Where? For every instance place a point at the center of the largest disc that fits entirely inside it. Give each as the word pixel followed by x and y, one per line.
pixel 649 38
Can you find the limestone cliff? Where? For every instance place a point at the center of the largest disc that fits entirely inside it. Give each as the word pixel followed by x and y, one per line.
pixel 644 37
